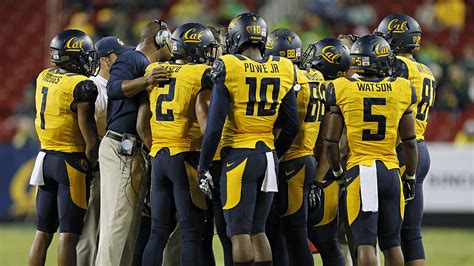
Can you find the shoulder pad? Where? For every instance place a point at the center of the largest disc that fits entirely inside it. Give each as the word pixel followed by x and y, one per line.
pixel 400 68
pixel 330 94
pixel 218 68
pixel 206 80
pixel 85 91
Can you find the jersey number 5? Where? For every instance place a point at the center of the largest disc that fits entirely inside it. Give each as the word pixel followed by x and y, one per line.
pixel 252 82
pixel 369 117
pixel 168 116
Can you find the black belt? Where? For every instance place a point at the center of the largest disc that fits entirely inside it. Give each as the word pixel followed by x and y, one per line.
pixel 118 137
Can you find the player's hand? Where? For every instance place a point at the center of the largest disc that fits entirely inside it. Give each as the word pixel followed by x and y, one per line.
pixel 409 188
pixel 206 185
pixel 157 75
pixel 314 196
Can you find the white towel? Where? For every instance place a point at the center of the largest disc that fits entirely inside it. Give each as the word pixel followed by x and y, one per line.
pixel 37 174
pixel 270 182
pixel 368 188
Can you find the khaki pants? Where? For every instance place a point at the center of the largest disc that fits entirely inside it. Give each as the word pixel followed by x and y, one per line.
pixel 87 246
pixel 122 192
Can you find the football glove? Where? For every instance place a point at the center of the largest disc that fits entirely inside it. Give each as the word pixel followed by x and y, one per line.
pixel 409 188
pixel 206 185
pixel 314 196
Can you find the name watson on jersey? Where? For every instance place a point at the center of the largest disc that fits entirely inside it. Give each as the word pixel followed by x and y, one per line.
pixel 377 87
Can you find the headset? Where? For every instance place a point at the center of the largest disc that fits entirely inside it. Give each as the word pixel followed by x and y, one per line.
pixel 163 36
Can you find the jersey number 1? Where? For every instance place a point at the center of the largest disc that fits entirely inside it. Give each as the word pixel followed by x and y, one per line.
pixel 252 82
pixel 369 117
pixel 44 91
pixel 168 116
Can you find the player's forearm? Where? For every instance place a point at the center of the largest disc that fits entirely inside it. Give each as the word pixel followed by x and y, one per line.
pixel 333 155
pixel 88 130
pixel 323 164
pixel 143 123
pixel 410 153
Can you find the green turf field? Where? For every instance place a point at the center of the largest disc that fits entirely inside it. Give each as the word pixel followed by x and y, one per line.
pixel 444 247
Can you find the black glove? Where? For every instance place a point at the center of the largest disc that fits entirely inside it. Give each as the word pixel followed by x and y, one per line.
pixel 314 196
pixel 409 188
pixel 206 185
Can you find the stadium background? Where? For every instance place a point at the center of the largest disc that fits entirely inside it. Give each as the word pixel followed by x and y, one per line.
pixel 447 48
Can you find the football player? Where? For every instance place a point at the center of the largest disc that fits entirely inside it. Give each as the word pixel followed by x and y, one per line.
pixel 332 58
pixel 66 128
pixel 165 123
pixel 403 34
pixel 297 167
pixel 250 92
pixel 376 109
pixel 214 212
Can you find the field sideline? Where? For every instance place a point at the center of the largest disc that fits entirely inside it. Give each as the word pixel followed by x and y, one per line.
pixel 444 246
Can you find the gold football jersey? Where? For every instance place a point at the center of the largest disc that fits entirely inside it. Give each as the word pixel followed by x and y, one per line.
pixel 372 111
pixel 173 108
pixel 310 99
pixel 56 124
pixel 424 83
pixel 256 90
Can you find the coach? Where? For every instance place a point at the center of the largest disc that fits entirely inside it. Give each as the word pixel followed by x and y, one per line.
pixel 121 152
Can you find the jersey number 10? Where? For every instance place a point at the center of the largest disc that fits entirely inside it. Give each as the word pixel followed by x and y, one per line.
pixel 262 91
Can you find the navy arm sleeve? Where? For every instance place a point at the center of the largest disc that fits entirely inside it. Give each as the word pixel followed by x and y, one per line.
pixel 288 119
pixel 220 104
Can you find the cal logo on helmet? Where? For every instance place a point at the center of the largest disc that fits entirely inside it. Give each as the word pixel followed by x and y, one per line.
pixel 396 27
pixel 192 36
pixel 328 53
pixel 381 50
pixel 271 43
pixel 233 23
pixel 73 44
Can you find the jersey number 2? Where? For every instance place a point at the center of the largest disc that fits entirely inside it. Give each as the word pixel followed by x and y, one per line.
pixel 252 82
pixel 168 116
pixel 369 117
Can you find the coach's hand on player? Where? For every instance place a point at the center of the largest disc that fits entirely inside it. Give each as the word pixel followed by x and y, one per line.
pixel 314 196
pixel 157 75
pixel 408 187
pixel 206 185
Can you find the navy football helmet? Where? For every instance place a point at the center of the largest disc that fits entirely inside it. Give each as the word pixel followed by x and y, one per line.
pixel 401 31
pixel 371 56
pixel 74 51
pixel 246 29
pixel 284 43
pixel 329 56
pixel 194 43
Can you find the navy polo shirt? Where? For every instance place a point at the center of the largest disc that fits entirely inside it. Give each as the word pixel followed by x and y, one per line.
pixel 122 111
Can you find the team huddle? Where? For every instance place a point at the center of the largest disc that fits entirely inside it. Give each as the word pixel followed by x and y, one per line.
pixel 280 150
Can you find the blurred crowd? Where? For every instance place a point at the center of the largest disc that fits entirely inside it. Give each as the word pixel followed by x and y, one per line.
pixel 447 41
